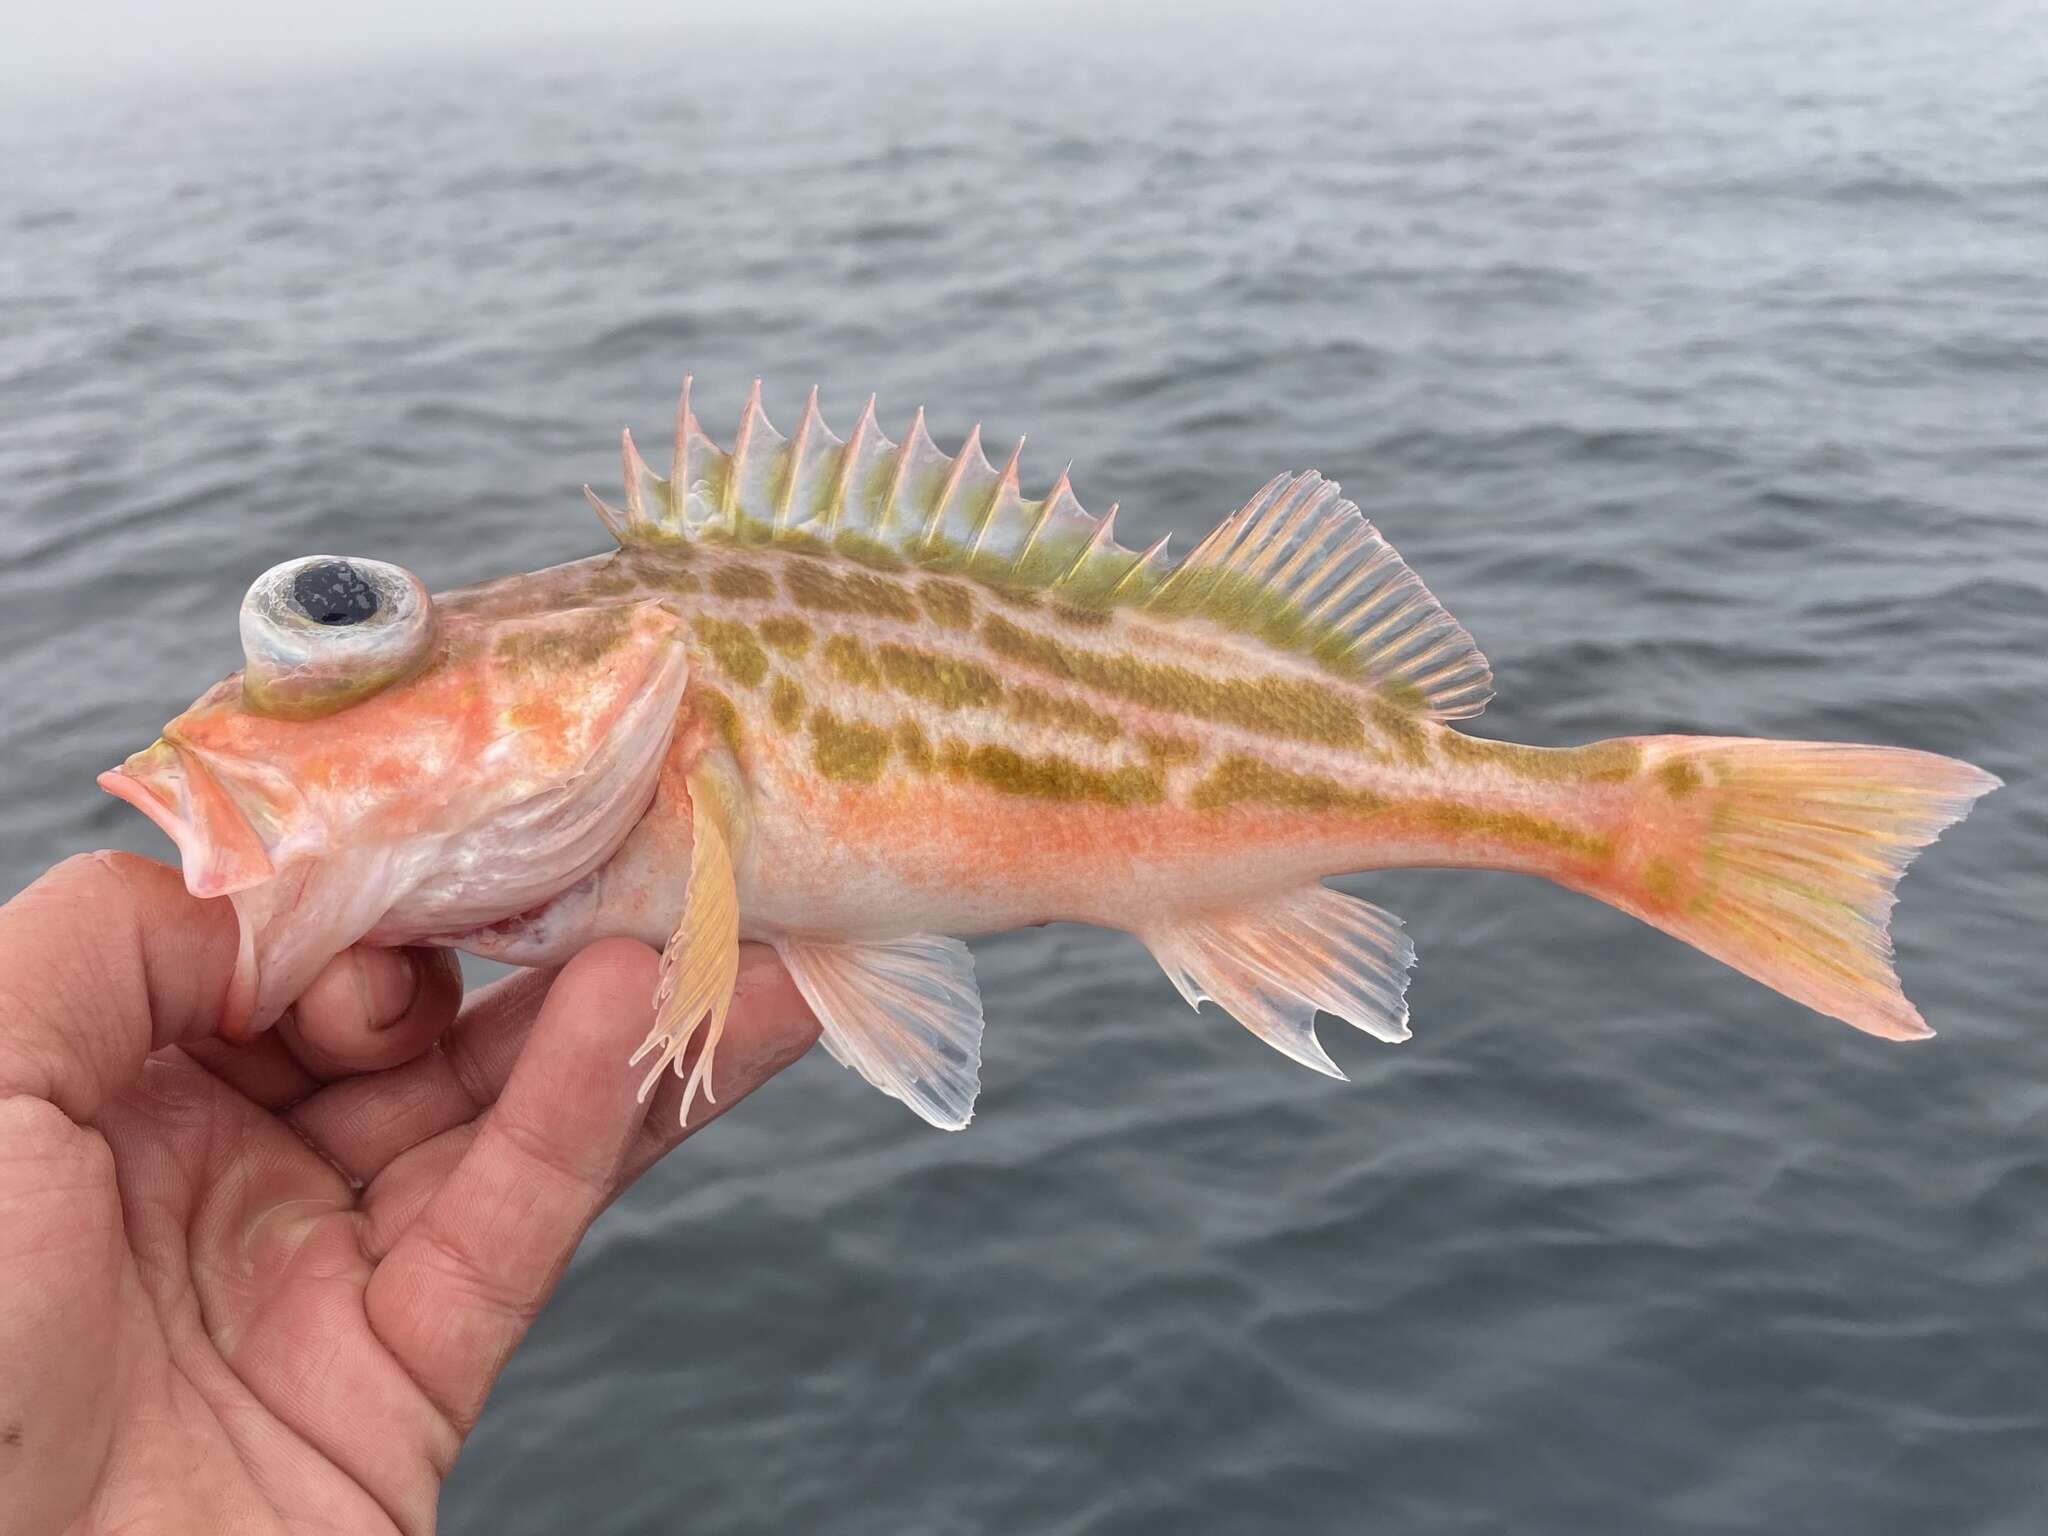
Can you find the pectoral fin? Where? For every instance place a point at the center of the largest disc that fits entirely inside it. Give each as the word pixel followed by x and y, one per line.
pixel 702 961
pixel 905 1014
pixel 1273 964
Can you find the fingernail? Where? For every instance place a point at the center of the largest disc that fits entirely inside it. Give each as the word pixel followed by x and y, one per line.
pixel 398 980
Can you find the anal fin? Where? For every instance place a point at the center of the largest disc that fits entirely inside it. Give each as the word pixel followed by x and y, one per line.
pixel 1273 963
pixel 701 964
pixel 903 1013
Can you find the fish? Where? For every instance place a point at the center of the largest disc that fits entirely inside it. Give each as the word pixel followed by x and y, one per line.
pixel 859 699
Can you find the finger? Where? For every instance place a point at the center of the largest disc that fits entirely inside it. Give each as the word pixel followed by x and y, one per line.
pixel 770 1026
pixel 61 1271
pixel 461 1286
pixel 103 960
pixel 373 1004
pixel 372 1008
pixel 362 1123
pixel 262 1070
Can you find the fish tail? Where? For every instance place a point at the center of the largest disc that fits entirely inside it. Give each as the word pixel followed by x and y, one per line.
pixel 1780 858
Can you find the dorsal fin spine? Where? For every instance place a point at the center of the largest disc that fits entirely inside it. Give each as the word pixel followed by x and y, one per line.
pixel 620 525
pixel 1060 487
pixel 1006 486
pixel 795 454
pixel 1296 567
pixel 679 465
pixel 953 476
pixel 1144 562
pixel 848 461
pixel 893 497
pixel 736 466
pixel 629 458
pixel 1104 537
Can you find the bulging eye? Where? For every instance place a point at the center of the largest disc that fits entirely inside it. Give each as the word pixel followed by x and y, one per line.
pixel 322 633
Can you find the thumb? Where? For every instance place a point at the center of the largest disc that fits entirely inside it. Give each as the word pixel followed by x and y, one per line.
pixel 103 960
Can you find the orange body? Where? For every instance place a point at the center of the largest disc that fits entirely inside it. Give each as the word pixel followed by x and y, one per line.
pixel 859 698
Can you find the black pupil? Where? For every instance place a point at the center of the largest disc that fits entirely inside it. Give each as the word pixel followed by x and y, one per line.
pixel 334 592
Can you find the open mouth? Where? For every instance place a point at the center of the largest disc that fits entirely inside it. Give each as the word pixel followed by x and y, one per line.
pixel 217 846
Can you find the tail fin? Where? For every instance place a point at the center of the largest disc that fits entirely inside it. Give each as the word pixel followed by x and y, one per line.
pixel 1780 858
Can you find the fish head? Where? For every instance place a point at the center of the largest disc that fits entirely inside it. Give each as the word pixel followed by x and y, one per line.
pixel 391 766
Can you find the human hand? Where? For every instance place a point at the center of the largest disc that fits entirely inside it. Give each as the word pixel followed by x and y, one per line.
pixel 267 1287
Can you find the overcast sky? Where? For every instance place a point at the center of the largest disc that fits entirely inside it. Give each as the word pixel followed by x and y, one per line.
pixel 68 42
pixel 58 45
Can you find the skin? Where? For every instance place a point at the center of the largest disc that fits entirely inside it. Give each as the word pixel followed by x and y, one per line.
pixel 268 1287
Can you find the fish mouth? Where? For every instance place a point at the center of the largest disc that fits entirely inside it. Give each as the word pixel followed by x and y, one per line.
pixel 307 881
pixel 218 846
pixel 219 850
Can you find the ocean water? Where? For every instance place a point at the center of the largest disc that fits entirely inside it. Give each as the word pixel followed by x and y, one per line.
pixel 1698 358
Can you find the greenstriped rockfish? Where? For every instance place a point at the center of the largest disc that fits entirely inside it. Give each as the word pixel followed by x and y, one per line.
pixel 857 699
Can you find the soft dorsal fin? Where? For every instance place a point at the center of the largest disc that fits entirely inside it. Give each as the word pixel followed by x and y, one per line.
pixel 1298 557
pixel 1296 566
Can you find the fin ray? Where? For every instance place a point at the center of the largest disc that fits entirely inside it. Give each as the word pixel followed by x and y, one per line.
pixel 1299 557
pixel 1272 965
pixel 1782 859
pixel 905 1014
pixel 700 967
pixel 1297 566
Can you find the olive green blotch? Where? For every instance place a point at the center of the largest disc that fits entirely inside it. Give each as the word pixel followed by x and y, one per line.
pixel 946 681
pixel 734 648
pixel 580 639
pixel 717 711
pixel 1034 706
pixel 849 661
pixel 745 582
pixel 826 590
pixel 1051 777
pixel 786 633
pixel 1660 879
pixel 1164 747
pixel 1079 617
pixel 913 747
pixel 1242 780
pixel 1604 762
pixel 949 603
pixel 1680 777
pixel 786 703
pixel 1401 731
pixel 1450 817
pixel 1294 709
pixel 847 750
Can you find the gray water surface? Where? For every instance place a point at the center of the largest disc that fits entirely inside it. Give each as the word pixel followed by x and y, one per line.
pixel 1697 364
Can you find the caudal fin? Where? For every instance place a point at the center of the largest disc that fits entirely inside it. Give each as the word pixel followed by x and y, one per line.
pixel 1781 857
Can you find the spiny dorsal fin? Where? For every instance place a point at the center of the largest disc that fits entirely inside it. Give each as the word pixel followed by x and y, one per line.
pixel 1296 566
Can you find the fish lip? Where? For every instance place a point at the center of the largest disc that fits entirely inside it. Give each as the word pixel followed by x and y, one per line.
pixel 219 848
